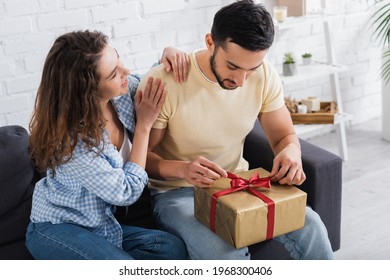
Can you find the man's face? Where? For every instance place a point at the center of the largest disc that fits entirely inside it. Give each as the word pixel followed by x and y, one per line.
pixel 233 65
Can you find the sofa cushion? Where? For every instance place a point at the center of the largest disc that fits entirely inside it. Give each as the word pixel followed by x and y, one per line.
pixel 17 181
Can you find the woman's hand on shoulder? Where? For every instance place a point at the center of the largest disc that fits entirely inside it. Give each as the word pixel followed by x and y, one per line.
pixel 176 61
pixel 149 102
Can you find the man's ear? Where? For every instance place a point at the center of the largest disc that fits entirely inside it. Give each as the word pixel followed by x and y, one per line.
pixel 209 42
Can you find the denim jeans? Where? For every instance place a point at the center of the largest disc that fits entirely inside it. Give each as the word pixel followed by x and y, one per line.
pixel 174 211
pixel 65 241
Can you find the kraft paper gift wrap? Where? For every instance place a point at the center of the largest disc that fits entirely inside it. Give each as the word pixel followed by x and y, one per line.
pixel 241 217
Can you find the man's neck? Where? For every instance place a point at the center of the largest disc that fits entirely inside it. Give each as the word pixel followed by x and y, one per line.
pixel 203 59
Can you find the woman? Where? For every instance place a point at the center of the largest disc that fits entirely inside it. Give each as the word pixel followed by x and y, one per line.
pixel 84 134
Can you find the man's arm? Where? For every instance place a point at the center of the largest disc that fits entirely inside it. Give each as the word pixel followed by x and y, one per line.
pixel 199 172
pixel 287 165
pixel 156 166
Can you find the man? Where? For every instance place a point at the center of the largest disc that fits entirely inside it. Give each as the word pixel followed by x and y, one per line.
pixel 200 132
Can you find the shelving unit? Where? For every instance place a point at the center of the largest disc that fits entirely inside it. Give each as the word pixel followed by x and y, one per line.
pixel 319 69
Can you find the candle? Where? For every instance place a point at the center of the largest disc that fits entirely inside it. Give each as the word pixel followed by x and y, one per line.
pixel 302 109
pixel 280 13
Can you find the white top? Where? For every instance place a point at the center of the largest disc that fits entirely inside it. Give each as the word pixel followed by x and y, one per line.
pixel 126 147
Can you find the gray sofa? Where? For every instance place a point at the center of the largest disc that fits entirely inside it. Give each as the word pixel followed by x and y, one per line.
pixel 18 177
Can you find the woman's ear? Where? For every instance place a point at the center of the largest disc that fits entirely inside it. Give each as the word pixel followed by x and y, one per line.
pixel 209 42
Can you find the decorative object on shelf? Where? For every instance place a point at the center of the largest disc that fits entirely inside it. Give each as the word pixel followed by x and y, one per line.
pixel 295 8
pixel 289 65
pixel 300 113
pixel 280 13
pixel 326 115
pixel 291 104
pixel 381 24
pixel 312 103
pixel 306 58
pixel 302 109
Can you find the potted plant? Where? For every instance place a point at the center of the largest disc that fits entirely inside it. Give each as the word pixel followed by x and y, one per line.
pixel 381 24
pixel 289 65
pixel 306 58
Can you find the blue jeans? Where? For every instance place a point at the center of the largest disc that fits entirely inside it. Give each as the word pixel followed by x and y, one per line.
pixel 174 211
pixel 47 241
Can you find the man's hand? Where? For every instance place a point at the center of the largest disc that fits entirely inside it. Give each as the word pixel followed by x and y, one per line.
pixel 202 173
pixel 176 61
pixel 287 167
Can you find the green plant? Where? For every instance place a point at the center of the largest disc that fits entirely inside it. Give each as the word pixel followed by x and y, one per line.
pixel 288 58
pixel 307 55
pixel 381 24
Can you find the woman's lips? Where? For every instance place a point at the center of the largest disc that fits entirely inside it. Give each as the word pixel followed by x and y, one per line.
pixel 125 83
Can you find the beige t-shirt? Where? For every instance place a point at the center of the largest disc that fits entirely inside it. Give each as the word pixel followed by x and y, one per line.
pixel 203 119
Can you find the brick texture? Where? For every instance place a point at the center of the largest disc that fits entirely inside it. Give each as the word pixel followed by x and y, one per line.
pixel 140 29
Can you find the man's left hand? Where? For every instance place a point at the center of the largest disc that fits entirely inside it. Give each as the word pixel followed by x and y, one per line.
pixel 287 167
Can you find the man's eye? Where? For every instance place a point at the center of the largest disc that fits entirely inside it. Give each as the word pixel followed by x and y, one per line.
pixel 232 67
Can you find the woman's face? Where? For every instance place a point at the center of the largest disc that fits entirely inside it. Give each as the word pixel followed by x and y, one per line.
pixel 113 75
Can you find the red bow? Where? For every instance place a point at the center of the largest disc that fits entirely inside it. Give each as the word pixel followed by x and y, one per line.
pixel 237 184
pixel 255 180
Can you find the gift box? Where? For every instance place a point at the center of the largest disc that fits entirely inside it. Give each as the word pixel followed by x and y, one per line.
pixel 248 208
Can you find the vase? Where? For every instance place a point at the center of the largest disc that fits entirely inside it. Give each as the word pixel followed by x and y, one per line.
pixel 289 69
pixel 306 60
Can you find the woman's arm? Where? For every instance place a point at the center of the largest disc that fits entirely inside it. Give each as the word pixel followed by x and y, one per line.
pixel 148 105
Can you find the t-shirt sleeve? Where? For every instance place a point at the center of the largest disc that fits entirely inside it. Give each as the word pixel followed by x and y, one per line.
pixel 273 97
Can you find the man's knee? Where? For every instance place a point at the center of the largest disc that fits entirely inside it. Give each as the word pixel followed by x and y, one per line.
pixel 313 222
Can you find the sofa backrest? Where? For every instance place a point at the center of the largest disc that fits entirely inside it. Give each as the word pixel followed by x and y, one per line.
pixel 17 181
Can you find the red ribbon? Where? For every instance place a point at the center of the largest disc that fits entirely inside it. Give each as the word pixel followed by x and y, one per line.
pixel 237 184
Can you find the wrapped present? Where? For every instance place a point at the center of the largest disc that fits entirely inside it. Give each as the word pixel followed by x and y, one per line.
pixel 247 208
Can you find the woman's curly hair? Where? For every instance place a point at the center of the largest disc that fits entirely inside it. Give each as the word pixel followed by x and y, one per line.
pixel 66 104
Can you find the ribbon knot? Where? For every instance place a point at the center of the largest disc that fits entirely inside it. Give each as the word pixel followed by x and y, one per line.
pixel 255 180
pixel 237 184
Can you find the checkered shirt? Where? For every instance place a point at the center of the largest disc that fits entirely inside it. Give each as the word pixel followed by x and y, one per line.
pixel 85 190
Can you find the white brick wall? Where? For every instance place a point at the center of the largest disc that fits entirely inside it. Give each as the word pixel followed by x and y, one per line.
pixel 139 29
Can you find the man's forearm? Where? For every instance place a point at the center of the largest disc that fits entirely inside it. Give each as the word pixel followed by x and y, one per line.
pixel 287 140
pixel 159 168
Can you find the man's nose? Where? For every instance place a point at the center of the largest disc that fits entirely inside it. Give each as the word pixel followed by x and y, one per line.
pixel 240 78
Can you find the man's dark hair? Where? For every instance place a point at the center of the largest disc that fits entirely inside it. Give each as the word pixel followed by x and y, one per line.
pixel 244 23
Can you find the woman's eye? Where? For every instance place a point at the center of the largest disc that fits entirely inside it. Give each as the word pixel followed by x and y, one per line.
pixel 113 76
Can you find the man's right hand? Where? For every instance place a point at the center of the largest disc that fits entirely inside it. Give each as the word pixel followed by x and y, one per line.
pixel 202 172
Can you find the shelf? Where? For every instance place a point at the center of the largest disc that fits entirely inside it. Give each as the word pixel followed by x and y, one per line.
pixel 325 115
pixel 293 22
pixel 308 130
pixel 319 69
pixel 342 117
pixel 315 70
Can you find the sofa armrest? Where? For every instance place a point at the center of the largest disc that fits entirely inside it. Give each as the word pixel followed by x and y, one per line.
pixel 323 184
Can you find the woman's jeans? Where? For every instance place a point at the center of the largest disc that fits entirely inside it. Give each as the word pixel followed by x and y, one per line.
pixel 65 241
pixel 174 211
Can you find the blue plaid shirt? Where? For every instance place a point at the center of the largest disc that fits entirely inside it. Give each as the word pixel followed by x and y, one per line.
pixel 85 190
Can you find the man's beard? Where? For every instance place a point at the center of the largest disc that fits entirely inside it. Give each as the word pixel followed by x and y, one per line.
pixel 217 76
